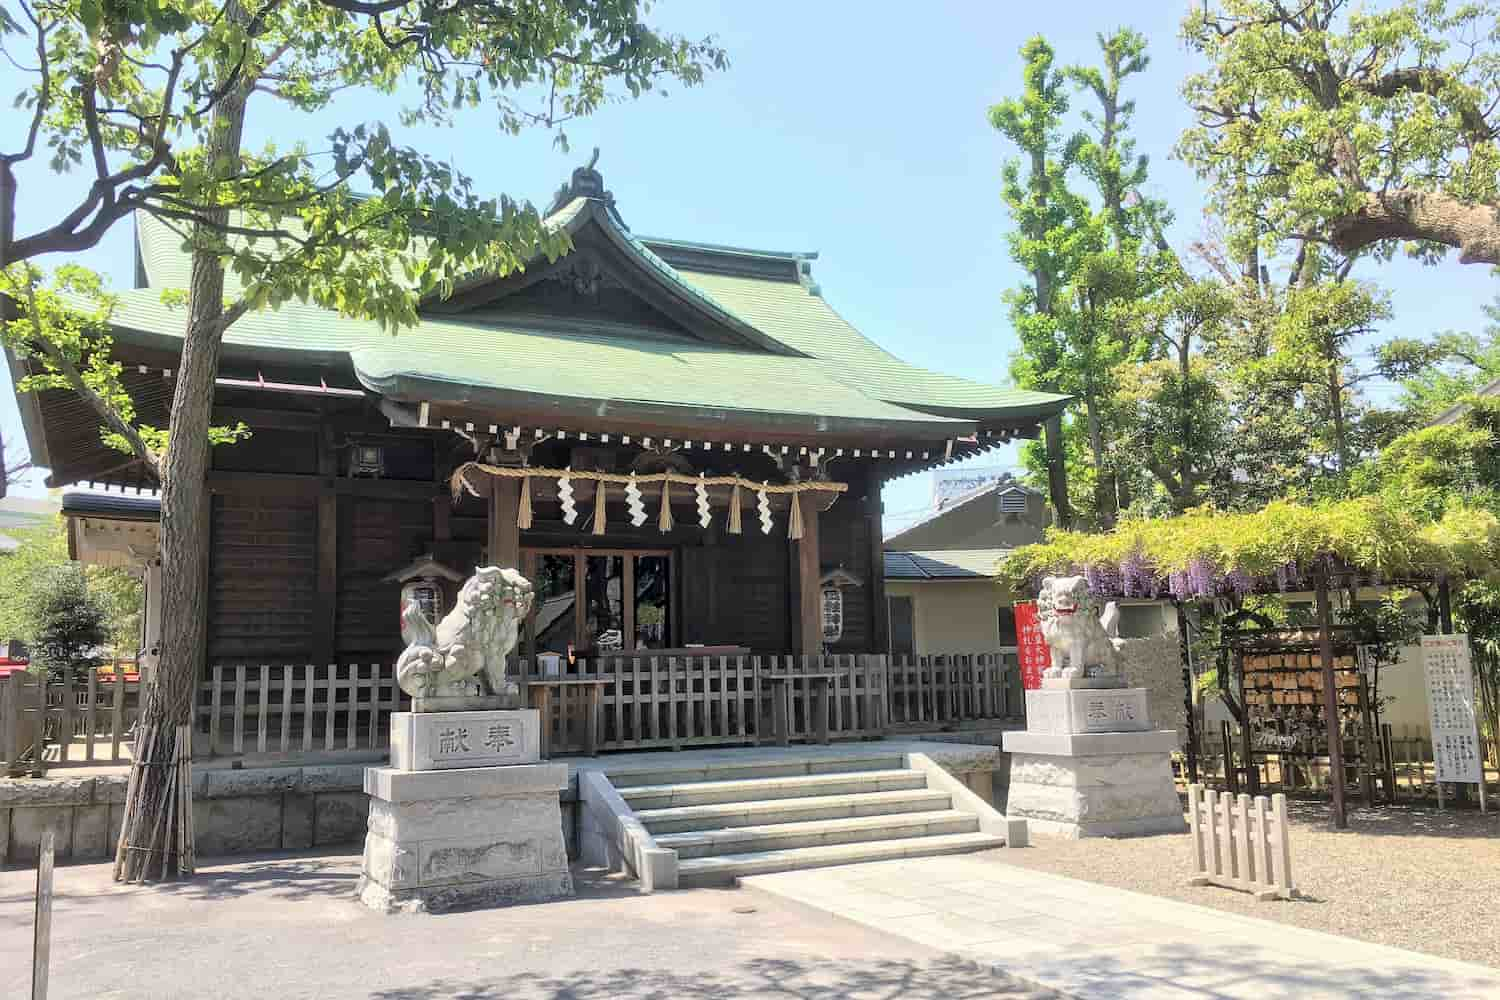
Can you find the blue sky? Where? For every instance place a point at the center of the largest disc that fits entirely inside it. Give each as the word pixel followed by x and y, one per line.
pixel 842 128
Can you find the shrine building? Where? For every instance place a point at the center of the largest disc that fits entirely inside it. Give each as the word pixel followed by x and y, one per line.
pixel 682 445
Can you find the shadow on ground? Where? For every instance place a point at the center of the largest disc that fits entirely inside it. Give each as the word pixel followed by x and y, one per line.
pixel 762 979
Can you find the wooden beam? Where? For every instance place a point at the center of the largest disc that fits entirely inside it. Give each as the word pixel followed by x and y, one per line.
pixel 504 536
pixel 807 628
pixel 260 418
pixel 223 481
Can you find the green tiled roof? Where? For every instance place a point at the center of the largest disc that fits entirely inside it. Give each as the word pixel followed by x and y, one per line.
pixel 829 368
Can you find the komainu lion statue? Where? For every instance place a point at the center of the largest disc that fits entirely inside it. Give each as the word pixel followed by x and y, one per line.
pixel 1074 630
pixel 465 654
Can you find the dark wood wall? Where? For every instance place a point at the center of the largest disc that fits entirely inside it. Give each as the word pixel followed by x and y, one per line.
pixel 300 550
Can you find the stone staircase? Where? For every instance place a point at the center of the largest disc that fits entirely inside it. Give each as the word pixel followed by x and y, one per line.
pixel 730 820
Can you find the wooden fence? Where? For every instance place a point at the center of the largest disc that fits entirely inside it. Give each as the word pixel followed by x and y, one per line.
pixel 1240 843
pixel 66 722
pixel 680 701
pixel 633 703
pixel 298 709
pixel 944 689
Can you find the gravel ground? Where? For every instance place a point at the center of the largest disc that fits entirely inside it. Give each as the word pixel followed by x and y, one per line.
pixel 1405 876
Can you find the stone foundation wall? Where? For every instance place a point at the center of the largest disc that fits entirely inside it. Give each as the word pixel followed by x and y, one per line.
pixel 236 811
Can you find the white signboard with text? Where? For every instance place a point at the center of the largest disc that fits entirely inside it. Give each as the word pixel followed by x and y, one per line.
pixel 1449 672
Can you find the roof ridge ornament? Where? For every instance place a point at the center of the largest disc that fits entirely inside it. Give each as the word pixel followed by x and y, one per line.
pixel 586 182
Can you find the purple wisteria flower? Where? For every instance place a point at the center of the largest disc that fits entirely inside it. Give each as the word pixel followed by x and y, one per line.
pixel 1201 574
pixel 1287 577
pixel 1240 582
pixel 1137 577
pixel 1178 584
pixel 1103 579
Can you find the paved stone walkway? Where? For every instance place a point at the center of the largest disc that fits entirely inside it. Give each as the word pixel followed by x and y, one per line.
pixel 1092 941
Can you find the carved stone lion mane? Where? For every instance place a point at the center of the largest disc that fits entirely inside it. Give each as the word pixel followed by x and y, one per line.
pixel 1075 631
pixel 465 654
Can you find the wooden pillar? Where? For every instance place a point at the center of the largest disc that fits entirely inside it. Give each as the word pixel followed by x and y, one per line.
pixel 1057 471
pixel 1331 704
pixel 504 535
pixel 325 646
pixel 880 614
pixel 807 628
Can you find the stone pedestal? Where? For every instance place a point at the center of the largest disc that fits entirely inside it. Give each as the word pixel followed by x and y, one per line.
pixel 443 834
pixel 1094 784
pixel 1090 765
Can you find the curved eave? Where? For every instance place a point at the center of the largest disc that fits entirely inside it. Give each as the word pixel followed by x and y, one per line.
pixel 989 416
pixel 411 388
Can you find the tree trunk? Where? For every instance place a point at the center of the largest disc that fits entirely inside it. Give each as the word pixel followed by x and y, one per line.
pixel 1336 408
pixel 155 839
pixel 1184 499
pixel 1104 487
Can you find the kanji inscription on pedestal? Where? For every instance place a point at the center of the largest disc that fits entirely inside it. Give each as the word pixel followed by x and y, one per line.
pixel 427 741
pixel 1449 673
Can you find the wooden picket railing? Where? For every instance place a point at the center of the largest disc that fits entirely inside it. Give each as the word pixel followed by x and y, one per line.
pixel 66 722
pixel 1240 843
pixel 298 709
pixel 681 701
pixel 632 702
pixel 953 688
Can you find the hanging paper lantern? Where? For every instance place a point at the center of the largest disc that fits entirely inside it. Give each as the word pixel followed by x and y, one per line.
pixel 565 497
pixel 763 504
pixel 734 510
pixel 633 503
pixel 704 517
pixel 523 509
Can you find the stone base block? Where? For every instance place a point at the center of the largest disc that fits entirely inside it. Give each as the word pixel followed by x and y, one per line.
pixel 464 838
pixel 1087 710
pixel 469 896
pixel 1067 791
pixel 426 741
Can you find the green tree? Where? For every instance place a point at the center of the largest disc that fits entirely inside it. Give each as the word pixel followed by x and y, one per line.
pixel 1365 127
pixel 1175 418
pixel 1076 319
pixel 1470 362
pixel 150 102
pixel 42 553
pixel 71 625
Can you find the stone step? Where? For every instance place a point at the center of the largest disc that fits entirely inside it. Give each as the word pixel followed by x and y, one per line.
pixel 725 868
pixel 677 819
pixel 697 793
pixel 816 833
pixel 731 770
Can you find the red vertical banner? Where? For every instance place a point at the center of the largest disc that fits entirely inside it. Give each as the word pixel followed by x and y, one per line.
pixel 1031 647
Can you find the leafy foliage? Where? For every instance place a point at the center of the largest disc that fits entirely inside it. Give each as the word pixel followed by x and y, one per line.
pixel 42 553
pixel 1206 552
pixel 71 624
pixel 1351 124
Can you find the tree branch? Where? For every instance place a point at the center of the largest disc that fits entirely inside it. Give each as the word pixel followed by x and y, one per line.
pixel 70 371
pixel 1421 216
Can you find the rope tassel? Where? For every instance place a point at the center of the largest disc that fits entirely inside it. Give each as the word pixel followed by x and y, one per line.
pixel 734 510
pixel 664 518
pixel 600 502
pixel 523 509
pixel 794 519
